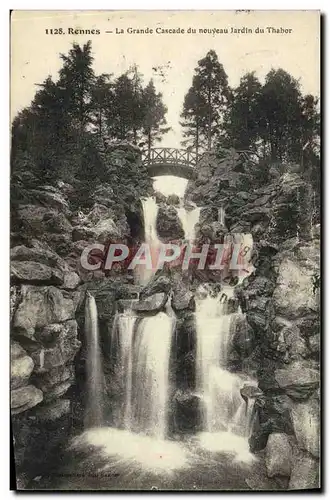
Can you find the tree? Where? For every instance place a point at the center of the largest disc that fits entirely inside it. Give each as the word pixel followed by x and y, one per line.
pixel 191 115
pixel 137 102
pixel 76 80
pixel 154 111
pixel 207 100
pixel 243 117
pixel 120 121
pixel 280 109
pixel 102 103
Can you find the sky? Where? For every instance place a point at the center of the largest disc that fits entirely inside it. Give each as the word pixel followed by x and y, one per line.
pixel 35 54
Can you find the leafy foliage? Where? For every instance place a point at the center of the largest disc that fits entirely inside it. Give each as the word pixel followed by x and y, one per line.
pixel 69 123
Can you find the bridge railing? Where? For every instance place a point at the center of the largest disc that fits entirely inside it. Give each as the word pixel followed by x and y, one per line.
pixel 169 156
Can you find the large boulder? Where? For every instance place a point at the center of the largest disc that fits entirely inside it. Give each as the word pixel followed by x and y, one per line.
pixel 182 298
pixel 278 455
pixel 24 398
pixel 160 283
pixel 39 263
pixel 41 306
pixel 53 411
pixel 298 380
pixel 294 295
pixel 305 473
pixel 169 226
pixel 21 366
pixel 34 272
pixel 306 423
pixel 101 224
pixel 60 350
pixel 152 304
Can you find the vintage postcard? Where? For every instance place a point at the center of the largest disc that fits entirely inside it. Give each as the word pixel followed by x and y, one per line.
pixel 165 250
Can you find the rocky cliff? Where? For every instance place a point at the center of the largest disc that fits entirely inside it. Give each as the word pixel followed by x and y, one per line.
pixel 281 301
pixel 50 227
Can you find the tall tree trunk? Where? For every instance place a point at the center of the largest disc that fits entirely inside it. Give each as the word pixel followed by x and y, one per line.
pixel 197 140
pixel 149 143
pixel 209 132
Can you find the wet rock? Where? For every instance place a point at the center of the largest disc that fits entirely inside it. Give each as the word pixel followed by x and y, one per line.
pixel 278 455
pixel 182 298
pixel 53 411
pixel 232 305
pixel 158 284
pixel 41 306
pixel 173 199
pixel 22 271
pixel 298 381
pixel 187 406
pixel 250 392
pixel 306 423
pixel 305 473
pixel 159 197
pixel 25 398
pixel 21 366
pixel 151 304
pixel 273 416
pixel 242 336
pixel 168 224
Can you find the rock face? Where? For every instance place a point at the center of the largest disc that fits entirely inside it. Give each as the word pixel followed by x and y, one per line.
pixel 152 304
pixel 278 455
pixel 169 226
pixel 41 306
pixel 306 423
pixel 280 342
pixel 21 366
pixel 24 398
pixel 305 473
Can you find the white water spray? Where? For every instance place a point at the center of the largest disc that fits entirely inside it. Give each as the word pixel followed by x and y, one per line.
pixel 94 382
pixel 189 219
pixel 226 416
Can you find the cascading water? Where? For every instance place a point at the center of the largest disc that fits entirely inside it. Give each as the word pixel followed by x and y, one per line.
pixel 226 416
pixel 143 358
pixel 121 350
pixel 150 211
pixel 94 373
pixel 151 358
pixel 221 216
pixel 189 219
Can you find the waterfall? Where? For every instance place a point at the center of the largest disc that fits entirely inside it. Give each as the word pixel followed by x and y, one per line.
pixel 121 350
pixel 189 218
pixel 150 211
pixel 143 357
pixel 151 360
pixel 224 410
pixel 94 373
pixel 221 216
